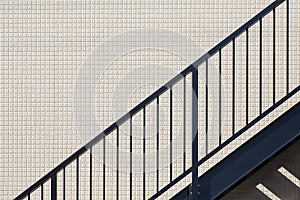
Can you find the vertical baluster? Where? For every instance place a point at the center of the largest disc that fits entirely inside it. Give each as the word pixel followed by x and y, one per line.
pixel 28 196
pixel 274 56
pixel 157 144
pixel 144 153
pixel 287 45
pixel 184 122
pixel 220 96
pixel 103 190
pixel 42 192
pixel 171 130
pixel 54 187
pixel 195 133
pixel 247 76
pixel 64 183
pixel 260 66
pixel 130 192
pixel 233 86
pixel 206 108
pixel 118 143
pixel 77 178
pixel 91 173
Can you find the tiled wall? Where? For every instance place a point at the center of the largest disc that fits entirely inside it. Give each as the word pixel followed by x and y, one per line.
pixel 58 55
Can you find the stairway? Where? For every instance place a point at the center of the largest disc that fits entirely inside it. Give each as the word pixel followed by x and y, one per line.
pixel 222 179
pixel 272 176
pixel 248 157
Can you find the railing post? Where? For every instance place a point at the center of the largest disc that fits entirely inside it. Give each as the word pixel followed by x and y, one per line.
pixel 195 187
pixel 54 187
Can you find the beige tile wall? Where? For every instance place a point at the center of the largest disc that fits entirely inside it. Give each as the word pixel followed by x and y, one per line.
pixel 50 49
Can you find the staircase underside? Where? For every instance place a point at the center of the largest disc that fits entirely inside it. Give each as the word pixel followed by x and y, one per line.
pixel 249 157
pixel 269 176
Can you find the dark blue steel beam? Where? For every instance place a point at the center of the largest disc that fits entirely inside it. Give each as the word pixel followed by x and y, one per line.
pixel 195 134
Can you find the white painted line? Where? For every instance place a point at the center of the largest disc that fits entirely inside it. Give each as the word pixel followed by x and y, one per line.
pixel 289 176
pixel 267 192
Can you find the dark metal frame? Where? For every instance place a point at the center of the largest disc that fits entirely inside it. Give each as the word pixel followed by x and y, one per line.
pixel 192 69
pixel 250 155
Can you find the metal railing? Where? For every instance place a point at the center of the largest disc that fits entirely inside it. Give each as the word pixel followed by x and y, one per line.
pixel 155 98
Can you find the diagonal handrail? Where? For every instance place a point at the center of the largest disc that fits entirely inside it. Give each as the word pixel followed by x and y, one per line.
pixel 190 69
